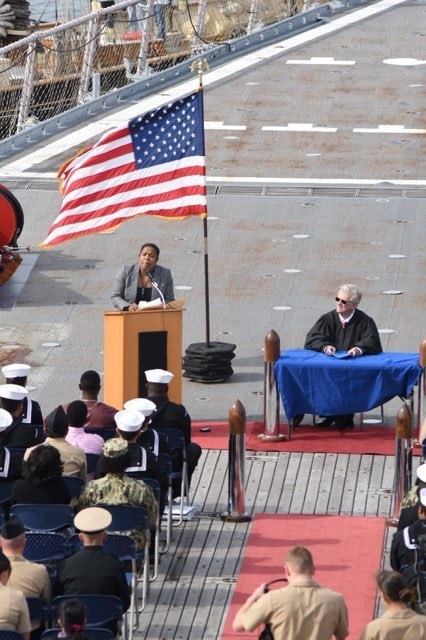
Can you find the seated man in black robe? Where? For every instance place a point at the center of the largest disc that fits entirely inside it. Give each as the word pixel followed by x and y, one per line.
pixel 344 329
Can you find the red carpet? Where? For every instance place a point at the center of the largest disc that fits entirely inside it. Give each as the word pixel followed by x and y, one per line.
pixel 346 554
pixel 373 439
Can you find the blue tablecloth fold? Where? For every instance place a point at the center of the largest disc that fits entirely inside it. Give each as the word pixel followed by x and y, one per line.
pixel 311 382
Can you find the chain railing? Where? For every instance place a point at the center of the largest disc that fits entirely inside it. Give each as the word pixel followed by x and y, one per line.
pixel 60 67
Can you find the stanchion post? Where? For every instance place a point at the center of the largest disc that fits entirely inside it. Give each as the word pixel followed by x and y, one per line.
pixel 237 453
pixel 403 457
pixel 271 398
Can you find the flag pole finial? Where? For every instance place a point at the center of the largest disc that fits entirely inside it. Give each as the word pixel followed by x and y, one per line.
pixel 200 66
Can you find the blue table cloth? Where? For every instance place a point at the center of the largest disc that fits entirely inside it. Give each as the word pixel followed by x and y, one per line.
pixel 311 382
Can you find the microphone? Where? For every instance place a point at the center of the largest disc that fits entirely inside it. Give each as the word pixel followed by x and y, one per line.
pixel 155 285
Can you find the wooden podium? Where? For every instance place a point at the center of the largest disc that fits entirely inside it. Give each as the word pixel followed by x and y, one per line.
pixel 135 342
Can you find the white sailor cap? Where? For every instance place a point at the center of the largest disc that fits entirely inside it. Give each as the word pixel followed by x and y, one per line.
pixel 128 420
pixel 160 376
pixel 142 405
pixel 13 392
pixel 422 496
pixel 15 370
pixel 5 419
pixel 421 472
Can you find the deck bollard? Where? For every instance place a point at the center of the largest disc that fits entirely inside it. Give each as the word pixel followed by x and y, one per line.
pixel 271 399
pixel 403 456
pixel 237 452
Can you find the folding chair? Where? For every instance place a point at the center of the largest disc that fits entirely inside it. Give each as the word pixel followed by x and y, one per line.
pixel 176 442
pixel 122 547
pixel 155 486
pixel 92 463
pixel 100 609
pixel 124 519
pixel 10 635
pixel 165 463
pixel 38 609
pixel 2 516
pixel 45 546
pixel 95 633
pixel 44 517
pixel 75 485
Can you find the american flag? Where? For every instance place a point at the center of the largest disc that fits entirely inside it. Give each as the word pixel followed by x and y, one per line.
pixel 154 165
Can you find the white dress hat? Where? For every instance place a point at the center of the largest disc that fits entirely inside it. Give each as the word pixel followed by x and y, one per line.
pixel 5 419
pixel 13 392
pixel 128 420
pixel 15 370
pixel 160 376
pixel 143 405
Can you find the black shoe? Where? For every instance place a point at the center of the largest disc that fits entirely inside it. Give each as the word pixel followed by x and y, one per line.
pixel 345 422
pixel 327 422
pixel 296 420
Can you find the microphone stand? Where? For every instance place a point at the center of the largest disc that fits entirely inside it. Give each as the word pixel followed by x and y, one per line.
pixel 155 285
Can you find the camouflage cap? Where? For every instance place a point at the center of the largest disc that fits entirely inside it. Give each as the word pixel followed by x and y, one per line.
pixel 115 447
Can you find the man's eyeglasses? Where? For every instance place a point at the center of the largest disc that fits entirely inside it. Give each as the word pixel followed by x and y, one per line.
pixel 341 300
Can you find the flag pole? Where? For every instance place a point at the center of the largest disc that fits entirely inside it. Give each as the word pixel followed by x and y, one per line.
pixel 207 361
pixel 200 65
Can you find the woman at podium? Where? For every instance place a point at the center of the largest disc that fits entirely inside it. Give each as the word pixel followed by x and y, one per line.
pixel 142 282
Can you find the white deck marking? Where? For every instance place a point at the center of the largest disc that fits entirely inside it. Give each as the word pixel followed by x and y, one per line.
pixel 302 126
pixel 111 121
pixel 210 125
pixel 389 128
pixel 319 60
pixel 404 62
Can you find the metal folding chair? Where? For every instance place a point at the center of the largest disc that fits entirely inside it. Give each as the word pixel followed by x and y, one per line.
pixel 75 485
pixel 95 633
pixel 10 635
pixel 155 486
pixel 92 463
pixel 100 609
pixel 176 442
pixel 45 546
pixel 38 609
pixel 165 463
pixel 124 519
pixel 122 547
pixel 44 517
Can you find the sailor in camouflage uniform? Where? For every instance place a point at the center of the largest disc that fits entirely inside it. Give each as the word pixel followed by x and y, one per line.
pixel 116 488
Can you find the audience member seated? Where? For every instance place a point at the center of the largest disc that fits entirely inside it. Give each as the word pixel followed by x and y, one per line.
pixel 92 570
pixel 17 434
pixel 77 417
pixel 29 577
pixel 115 487
pixel 14 614
pixel 72 618
pixel 149 438
pixel 141 460
pixel 41 480
pixel 403 554
pixel 17 374
pixel 10 461
pixel 398 622
pixel 99 414
pixel 73 458
pixel 170 415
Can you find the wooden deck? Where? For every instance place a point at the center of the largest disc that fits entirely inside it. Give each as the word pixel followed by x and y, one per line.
pixel 196 579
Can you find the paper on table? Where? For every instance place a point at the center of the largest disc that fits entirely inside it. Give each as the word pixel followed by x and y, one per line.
pixel 152 303
pixel 342 354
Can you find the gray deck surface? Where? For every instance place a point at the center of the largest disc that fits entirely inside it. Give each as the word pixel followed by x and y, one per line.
pixel 358 197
